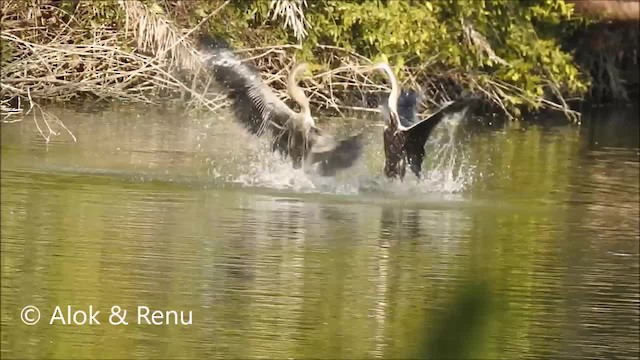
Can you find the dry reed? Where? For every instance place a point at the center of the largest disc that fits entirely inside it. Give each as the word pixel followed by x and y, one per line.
pixel 66 66
pixel 150 60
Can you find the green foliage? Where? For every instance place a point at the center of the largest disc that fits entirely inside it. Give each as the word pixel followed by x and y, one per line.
pixel 458 331
pixel 510 49
pixel 400 30
pixel 418 34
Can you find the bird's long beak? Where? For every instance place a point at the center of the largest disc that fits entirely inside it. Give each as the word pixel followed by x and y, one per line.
pixel 306 70
pixel 364 69
pixel 301 69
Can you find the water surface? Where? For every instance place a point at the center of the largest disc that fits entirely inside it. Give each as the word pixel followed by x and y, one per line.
pixel 522 242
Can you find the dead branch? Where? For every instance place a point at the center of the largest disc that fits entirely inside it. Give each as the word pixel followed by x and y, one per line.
pixel 150 60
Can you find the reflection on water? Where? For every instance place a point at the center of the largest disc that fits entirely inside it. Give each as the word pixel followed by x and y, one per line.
pixel 537 256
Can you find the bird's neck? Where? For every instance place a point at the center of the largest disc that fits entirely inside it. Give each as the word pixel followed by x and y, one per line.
pixel 306 113
pixel 307 123
pixel 297 94
pixel 394 121
pixel 393 97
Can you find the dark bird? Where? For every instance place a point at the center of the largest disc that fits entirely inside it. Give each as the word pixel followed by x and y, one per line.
pixel 261 111
pixel 404 134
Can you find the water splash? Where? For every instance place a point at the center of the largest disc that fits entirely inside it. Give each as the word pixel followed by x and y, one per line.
pixel 253 164
pixel 446 169
pixel 450 170
pixel 276 172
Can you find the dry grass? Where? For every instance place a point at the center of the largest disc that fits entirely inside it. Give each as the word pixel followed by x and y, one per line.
pixel 150 60
pixel 343 88
pixel 293 13
pixel 66 66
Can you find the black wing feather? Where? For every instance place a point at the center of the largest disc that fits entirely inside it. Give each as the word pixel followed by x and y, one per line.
pixel 254 104
pixel 417 135
pixel 258 108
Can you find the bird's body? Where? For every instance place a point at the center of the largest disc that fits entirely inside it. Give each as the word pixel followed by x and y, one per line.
pixel 404 134
pixel 261 111
pixel 394 152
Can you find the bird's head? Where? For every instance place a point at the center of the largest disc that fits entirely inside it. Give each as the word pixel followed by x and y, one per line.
pixel 301 69
pixel 378 66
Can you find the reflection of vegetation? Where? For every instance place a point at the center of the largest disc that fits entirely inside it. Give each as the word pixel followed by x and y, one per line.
pixel 457 332
pixel 277 277
pixel 547 159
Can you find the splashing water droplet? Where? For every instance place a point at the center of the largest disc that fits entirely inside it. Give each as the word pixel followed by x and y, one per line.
pixel 450 169
pixel 253 164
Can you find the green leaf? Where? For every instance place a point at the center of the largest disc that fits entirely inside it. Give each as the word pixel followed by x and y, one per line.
pixel 156 9
pixel 429 5
pixel 200 12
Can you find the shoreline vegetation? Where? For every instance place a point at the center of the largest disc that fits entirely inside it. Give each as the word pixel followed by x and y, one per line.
pixel 521 56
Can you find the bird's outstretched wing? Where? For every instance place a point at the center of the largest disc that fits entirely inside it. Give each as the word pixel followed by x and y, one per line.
pixel 418 133
pixel 254 104
pixel 259 109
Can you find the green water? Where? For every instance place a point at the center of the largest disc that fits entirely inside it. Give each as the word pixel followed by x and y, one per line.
pixel 527 248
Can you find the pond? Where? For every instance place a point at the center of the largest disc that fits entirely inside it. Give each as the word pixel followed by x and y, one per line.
pixel 521 242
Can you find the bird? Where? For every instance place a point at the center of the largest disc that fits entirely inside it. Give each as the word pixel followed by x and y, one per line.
pixel 256 106
pixel 405 135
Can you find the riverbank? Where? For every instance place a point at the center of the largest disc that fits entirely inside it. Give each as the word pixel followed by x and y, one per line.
pixel 520 57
